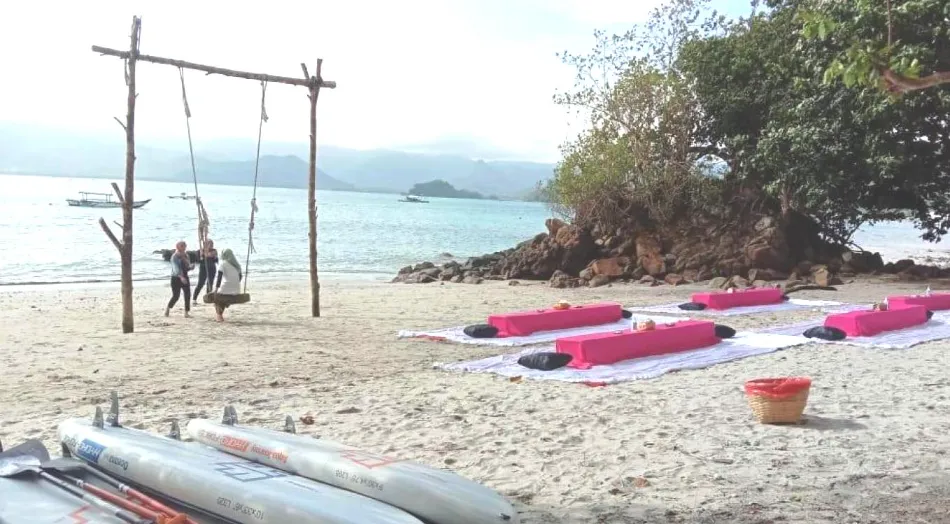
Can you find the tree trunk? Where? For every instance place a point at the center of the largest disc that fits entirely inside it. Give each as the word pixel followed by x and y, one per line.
pixel 125 253
pixel 312 197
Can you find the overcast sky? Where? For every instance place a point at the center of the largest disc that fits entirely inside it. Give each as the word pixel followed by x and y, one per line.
pixel 409 71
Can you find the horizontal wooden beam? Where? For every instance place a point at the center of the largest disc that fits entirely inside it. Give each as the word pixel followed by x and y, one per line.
pixel 211 70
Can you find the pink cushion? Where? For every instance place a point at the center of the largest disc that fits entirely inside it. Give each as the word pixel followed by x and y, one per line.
pixel 870 323
pixel 935 302
pixel 740 297
pixel 607 348
pixel 522 323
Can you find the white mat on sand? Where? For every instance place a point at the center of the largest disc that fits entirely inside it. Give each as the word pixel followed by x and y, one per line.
pixel 938 328
pixel 455 334
pixel 744 344
pixel 793 304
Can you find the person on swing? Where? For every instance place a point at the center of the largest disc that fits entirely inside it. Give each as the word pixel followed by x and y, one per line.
pixel 179 277
pixel 228 286
pixel 208 261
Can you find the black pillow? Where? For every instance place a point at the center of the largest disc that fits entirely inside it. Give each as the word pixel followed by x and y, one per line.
pixel 724 331
pixel 626 314
pixel 825 333
pixel 545 361
pixel 930 314
pixel 481 331
pixel 692 306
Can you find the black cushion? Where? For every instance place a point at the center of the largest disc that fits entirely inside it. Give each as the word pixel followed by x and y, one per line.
pixel 724 331
pixel 545 361
pixel 930 314
pixel 626 314
pixel 825 333
pixel 481 331
pixel 692 306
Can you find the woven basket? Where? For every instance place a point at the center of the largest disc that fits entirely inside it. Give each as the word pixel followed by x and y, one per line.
pixel 778 400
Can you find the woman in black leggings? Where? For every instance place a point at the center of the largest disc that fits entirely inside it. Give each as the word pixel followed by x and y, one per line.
pixel 179 277
pixel 207 267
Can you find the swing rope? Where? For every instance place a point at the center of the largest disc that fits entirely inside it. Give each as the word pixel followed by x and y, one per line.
pixel 203 221
pixel 257 161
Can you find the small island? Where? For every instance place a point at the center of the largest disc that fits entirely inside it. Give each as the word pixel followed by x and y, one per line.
pixel 442 189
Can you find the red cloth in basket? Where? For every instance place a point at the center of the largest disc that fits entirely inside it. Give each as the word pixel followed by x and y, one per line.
pixel 607 348
pixel 738 298
pixel 522 323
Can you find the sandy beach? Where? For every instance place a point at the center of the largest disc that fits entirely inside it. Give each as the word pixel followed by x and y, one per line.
pixel 680 448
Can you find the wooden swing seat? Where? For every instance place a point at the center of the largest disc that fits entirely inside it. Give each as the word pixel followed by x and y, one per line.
pixel 226 300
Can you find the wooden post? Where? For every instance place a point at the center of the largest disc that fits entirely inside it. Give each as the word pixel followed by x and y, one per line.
pixel 315 82
pixel 125 246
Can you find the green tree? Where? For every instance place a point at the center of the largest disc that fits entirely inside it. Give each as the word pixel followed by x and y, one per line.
pixel 898 45
pixel 636 162
pixel 842 156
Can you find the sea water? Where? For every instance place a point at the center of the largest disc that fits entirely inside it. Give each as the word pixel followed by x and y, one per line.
pixel 360 235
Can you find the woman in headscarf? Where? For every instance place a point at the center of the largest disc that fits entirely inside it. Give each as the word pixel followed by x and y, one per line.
pixel 228 286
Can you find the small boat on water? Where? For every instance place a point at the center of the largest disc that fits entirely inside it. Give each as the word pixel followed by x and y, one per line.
pixel 414 200
pixel 182 196
pixel 101 200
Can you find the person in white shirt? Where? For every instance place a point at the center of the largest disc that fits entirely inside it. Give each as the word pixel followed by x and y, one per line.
pixel 228 285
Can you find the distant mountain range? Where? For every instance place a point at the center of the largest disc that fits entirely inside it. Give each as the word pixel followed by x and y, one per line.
pixel 40 151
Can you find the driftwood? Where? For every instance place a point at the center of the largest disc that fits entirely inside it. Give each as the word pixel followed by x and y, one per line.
pixel 212 70
pixel 313 84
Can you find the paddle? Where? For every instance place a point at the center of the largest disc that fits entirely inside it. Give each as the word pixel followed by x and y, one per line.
pixel 23 465
pixel 152 508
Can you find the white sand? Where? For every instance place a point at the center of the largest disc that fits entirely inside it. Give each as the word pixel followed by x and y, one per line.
pixel 874 449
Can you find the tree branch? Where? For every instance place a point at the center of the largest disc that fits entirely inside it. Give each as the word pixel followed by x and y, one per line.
pixel 108 232
pixel 212 69
pixel 902 84
pixel 118 193
pixel 120 123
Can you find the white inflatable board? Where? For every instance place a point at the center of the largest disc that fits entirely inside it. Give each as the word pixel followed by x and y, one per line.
pixel 434 495
pixel 32 501
pixel 234 488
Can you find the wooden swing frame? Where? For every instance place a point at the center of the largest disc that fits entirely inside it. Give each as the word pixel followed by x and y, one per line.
pixel 313 83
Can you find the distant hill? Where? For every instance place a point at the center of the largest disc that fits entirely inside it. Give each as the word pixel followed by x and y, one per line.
pixel 38 150
pixel 274 171
pixel 441 188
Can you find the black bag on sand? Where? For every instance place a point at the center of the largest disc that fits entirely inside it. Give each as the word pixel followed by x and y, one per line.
pixel 626 314
pixel 481 331
pixel 825 333
pixel 545 361
pixel 724 331
pixel 692 306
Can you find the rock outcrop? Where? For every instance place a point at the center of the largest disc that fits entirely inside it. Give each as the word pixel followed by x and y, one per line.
pixel 770 252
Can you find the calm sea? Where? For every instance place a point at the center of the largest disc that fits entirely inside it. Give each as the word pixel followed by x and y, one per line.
pixel 360 235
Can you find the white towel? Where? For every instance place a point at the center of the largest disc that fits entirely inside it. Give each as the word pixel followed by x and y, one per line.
pixel 744 344
pixel 455 334
pixel 938 328
pixel 793 304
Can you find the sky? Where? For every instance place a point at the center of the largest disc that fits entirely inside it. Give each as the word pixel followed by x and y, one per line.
pixel 408 72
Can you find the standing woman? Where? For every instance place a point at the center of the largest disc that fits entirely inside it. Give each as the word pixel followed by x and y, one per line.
pixel 179 278
pixel 208 261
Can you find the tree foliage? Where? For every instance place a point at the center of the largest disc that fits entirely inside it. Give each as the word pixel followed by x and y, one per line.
pixel 755 93
pixel 897 45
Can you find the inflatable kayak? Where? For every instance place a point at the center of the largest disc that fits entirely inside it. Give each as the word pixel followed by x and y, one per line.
pixel 434 495
pixel 235 489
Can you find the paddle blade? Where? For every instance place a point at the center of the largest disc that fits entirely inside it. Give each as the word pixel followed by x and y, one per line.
pixel 32 447
pixel 16 465
pixel 63 465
